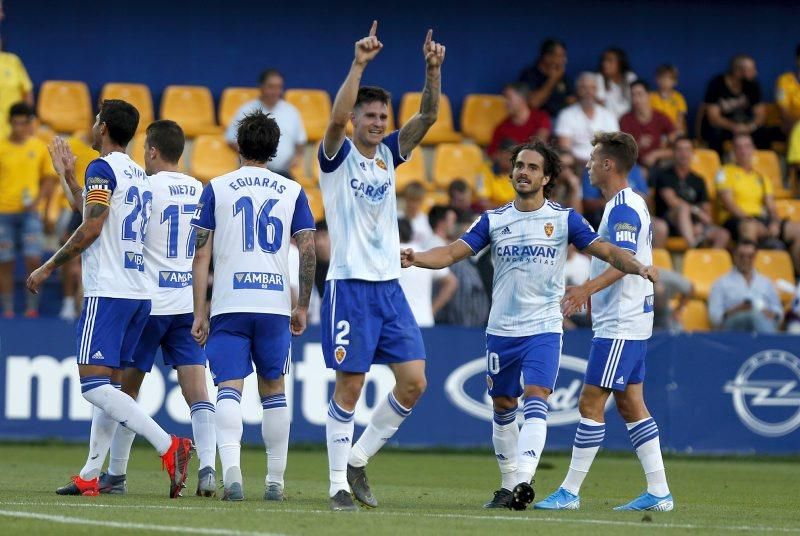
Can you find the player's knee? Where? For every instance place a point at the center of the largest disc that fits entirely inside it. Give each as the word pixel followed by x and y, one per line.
pixel 591 407
pixel 504 403
pixel 411 390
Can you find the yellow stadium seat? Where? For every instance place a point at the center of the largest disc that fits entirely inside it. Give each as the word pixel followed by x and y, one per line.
pixel 662 258
pixel 390 125
pixel 314 106
pixel 136 150
pixel 136 94
pixel 65 106
pixel 776 264
pixel 192 107
pixel 677 244
pixel 212 157
pixel 705 163
pixel 412 170
pixel 704 266
pixel 315 203
pixel 442 130
pixel 788 209
pixel 232 99
pixel 769 166
pixel 480 115
pixel 695 316
pixel 456 161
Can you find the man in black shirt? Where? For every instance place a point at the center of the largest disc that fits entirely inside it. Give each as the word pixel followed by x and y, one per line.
pixel 551 89
pixel 683 201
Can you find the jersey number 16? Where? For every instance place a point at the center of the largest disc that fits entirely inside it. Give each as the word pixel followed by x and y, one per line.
pixel 268 230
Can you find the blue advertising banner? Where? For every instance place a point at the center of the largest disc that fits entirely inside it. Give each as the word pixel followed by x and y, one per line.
pixel 710 393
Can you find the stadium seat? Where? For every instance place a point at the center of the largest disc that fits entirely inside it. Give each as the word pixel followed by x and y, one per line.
pixel 769 166
pixel 662 258
pixel 456 161
pixel 315 109
pixel 411 171
pixel 211 157
pixel 65 106
pixel 704 266
pixel 677 244
pixel 315 203
pixel 136 94
pixel 232 99
pixel 136 151
pixel 480 115
pixel 390 124
pixel 192 107
pixel 705 163
pixel 788 209
pixel 695 316
pixel 442 130
pixel 776 264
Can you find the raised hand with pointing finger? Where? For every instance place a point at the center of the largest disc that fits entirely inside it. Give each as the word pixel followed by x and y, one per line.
pixel 368 47
pixel 433 51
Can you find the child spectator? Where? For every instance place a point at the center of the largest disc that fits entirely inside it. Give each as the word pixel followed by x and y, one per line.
pixel 666 99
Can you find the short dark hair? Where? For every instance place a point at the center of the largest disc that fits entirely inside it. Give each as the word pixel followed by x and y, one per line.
pixel 19 109
pixel 121 119
pixel 266 73
pixel 746 242
pixel 166 136
pixel 549 46
pixel 622 58
pixel 414 189
pixel 459 186
pixel 258 135
pixel 368 94
pixel 682 137
pixel 437 214
pixel 736 60
pixel 667 68
pixel 640 82
pixel 619 147
pixel 552 162
pixel 519 87
pixel 405 230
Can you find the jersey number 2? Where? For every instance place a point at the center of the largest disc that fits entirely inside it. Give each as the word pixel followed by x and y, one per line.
pixel 268 230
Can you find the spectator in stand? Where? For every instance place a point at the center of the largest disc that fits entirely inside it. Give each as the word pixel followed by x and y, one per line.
pixel 27 181
pixel 293 134
pixel 743 299
pixel 496 186
pixel 733 106
pixel 577 270
pixel 551 88
pixel 577 124
pixel 459 195
pixel 614 82
pixel 568 191
pixel 15 86
pixel 470 304
pixel 442 220
pixel 414 197
pixel 522 123
pixel 670 285
pixel 748 207
pixel 652 130
pixel 787 94
pixel 666 99
pixel 682 200
pixel 418 283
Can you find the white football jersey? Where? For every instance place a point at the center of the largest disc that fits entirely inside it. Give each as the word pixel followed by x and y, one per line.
pixel 529 250
pixel 624 310
pixel 113 266
pixel 169 247
pixel 361 211
pixel 253 213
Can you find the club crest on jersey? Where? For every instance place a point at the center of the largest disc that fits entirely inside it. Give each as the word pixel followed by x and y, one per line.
pixel 134 261
pixel 548 229
pixel 380 163
pixel 363 165
pixel 340 353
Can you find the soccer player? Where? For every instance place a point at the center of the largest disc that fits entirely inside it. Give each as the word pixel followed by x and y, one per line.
pixel 168 253
pixel 365 317
pixel 116 203
pixel 622 318
pixel 244 221
pixel 529 238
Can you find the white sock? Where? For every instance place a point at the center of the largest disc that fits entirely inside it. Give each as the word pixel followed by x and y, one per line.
pixel 386 419
pixel 531 438
pixel 229 434
pixel 588 439
pixel 204 432
pixel 505 438
pixel 275 423
pixel 120 451
pixel 103 428
pixel 125 410
pixel 339 436
pixel 644 436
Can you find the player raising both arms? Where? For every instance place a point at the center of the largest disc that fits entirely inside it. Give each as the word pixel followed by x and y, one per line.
pixel 244 222
pixel 365 316
pixel 529 238
pixel 116 204
pixel 622 318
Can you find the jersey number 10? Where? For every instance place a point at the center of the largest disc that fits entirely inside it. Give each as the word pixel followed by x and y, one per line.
pixel 268 230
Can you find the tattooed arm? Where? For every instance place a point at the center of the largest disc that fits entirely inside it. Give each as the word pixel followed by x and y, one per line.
pixel 94 216
pixel 200 266
pixel 415 129
pixel 308 266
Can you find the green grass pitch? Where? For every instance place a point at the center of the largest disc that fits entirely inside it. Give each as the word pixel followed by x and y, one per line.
pixel 419 493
